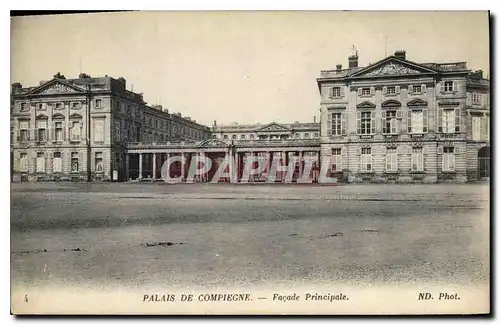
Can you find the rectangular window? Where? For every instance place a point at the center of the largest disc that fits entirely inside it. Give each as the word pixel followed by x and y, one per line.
pixel 57 163
pixel 448 163
pixel 117 106
pixel 417 121
pixel 74 162
pixel 366 159
pixel 59 105
pixel 242 137
pixel 40 162
pixel 390 125
pixel 117 131
pixel 23 107
pixel 365 92
pixel 448 86
pixel 75 130
pixel 41 130
pixel 476 98
pixel 365 123
pixel 417 88
pixel 448 121
pixel 476 127
pixel 75 105
pixel 23 162
pixel 98 161
pixel 391 160
pixel 98 103
pixel 391 90
pixel 99 130
pixel 336 92
pixel 39 106
pixel 336 124
pixel 336 160
pixel 417 160
pixel 58 132
pixel 24 131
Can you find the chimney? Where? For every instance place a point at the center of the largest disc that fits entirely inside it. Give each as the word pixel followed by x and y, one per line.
pixel 16 87
pixel 353 61
pixel 215 123
pixel 401 54
pixel 83 76
pixel 339 67
pixel 314 119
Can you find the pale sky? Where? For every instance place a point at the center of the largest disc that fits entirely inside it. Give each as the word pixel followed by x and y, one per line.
pixel 244 67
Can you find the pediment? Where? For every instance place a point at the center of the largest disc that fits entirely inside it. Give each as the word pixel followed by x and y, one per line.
pixel 273 127
pixel 392 67
pixel 58 116
pixel 416 102
pixel 213 143
pixel 366 104
pixel 57 87
pixel 75 116
pixel 391 103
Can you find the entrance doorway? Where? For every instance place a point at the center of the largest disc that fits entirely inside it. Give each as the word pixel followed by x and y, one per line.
pixel 483 162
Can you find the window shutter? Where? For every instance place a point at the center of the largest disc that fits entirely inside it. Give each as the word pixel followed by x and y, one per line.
pixel 373 122
pixel 384 150
pixel 358 122
pixel 80 161
pixel 457 118
pixel 424 120
pixel 341 91
pixel 330 92
pixel 387 162
pixel 359 151
pixel 440 150
pixel 425 150
pixel 410 89
pixel 440 120
pixel 384 90
pixel 29 135
pixel 36 134
pixel 359 91
pixel 441 87
pixel 372 90
pixel 455 86
pixel 423 88
pixel 17 135
pixel 456 150
pixel 399 114
pixel 329 124
pixel 398 89
pixel 343 121
pixel 53 132
pixel 384 123
pixel 408 121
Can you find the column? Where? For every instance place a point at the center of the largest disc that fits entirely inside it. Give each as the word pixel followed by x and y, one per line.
pixel 301 166
pixel 182 167
pixel 154 166
pixel 127 162
pixel 140 166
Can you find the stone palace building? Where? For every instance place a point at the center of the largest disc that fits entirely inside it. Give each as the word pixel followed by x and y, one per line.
pixel 392 121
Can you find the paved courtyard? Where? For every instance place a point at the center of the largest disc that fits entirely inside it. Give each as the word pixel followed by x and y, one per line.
pixel 212 235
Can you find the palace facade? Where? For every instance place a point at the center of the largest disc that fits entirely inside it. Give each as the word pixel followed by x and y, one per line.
pixel 79 129
pixel 401 121
pixel 392 121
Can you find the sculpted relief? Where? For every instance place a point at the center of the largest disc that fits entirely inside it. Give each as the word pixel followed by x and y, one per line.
pixel 57 89
pixel 391 69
